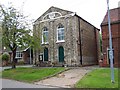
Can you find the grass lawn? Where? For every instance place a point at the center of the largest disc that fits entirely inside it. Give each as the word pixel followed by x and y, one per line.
pixel 99 78
pixel 30 74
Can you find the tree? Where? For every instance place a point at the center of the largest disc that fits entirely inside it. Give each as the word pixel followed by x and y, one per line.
pixel 0 39
pixel 14 29
pixel 100 36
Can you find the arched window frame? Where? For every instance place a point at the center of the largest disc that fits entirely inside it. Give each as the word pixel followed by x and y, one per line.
pixel 45 35
pixel 60 33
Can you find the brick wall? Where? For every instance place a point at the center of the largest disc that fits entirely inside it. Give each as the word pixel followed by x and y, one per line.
pixel 115 40
pixel 89 41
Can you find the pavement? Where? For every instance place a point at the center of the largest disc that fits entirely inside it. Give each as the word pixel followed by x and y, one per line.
pixel 1 69
pixel 6 83
pixel 8 67
pixel 68 78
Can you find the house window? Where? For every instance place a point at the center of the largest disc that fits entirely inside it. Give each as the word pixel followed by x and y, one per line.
pixel 108 57
pixel 18 54
pixel 60 33
pixel 45 35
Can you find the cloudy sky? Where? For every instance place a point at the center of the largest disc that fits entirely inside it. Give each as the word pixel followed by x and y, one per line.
pixel 91 10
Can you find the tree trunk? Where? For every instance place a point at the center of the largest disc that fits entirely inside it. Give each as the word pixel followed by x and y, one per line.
pixel 14 60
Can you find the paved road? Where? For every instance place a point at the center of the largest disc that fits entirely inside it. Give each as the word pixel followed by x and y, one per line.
pixel 0 69
pixel 15 84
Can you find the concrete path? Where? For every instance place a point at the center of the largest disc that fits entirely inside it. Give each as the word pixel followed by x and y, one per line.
pixel 68 78
pixel 7 67
pixel 6 83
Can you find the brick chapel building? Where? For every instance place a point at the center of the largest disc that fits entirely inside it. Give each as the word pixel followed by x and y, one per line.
pixel 115 30
pixel 66 39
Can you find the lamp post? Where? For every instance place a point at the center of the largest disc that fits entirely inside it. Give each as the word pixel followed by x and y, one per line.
pixel 110 46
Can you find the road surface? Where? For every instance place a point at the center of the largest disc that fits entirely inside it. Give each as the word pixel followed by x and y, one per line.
pixel 6 83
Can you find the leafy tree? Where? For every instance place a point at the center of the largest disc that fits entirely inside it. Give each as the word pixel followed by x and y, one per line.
pixel 100 36
pixel 0 39
pixel 14 29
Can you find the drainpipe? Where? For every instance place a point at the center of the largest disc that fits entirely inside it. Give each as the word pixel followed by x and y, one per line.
pixel 30 56
pixel 80 41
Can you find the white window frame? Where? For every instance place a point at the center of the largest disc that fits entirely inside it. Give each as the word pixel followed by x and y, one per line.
pixel 108 50
pixel 43 42
pixel 57 35
pixel 19 54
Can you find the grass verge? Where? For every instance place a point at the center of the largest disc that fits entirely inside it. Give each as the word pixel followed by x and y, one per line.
pixel 30 74
pixel 98 78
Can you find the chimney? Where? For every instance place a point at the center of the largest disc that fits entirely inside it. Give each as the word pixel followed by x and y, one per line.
pixel 119 4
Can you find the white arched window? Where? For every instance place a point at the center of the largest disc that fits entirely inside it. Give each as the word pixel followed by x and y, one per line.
pixel 45 35
pixel 60 33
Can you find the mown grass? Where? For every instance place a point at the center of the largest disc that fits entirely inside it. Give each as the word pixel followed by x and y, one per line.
pixel 30 74
pixel 99 78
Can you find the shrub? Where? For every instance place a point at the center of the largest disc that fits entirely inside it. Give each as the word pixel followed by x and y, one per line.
pixel 20 63
pixel 5 57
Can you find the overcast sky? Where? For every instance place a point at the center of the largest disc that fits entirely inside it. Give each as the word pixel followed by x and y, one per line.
pixel 91 10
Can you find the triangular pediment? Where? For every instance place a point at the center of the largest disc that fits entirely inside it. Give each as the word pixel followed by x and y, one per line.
pixel 53 12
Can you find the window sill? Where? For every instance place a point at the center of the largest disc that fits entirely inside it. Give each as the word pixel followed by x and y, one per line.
pixel 18 57
pixel 44 43
pixel 60 41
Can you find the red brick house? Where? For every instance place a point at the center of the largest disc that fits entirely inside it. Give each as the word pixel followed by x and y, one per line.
pixel 115 29
pixel 22 55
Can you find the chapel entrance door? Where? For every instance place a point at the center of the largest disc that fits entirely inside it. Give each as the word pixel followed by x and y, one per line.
pixel 61 54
